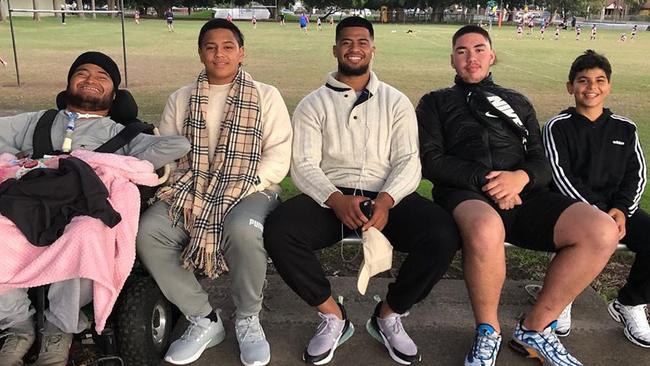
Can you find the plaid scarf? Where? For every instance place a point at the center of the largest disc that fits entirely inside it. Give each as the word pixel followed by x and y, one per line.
pixel 206 191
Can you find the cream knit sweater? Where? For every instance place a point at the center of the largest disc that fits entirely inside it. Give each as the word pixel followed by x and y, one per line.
pixel 372 145
pixel 276 128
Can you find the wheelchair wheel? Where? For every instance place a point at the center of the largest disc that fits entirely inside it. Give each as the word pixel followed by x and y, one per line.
pixel 144 323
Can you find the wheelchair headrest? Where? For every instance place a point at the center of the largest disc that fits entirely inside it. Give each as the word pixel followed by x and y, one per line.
pixel 123 110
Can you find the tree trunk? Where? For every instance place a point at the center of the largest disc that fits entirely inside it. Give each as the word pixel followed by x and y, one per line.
pixel 160 10
pixel 55 6
pixel 36 16
pixel 189 10
pixel 80 6
pixel 2 11
pixel 93 8
pixel 111 6
pixel 438 12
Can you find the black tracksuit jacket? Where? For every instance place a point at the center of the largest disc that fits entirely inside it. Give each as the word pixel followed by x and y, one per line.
pixel 458 150
pixel 599 162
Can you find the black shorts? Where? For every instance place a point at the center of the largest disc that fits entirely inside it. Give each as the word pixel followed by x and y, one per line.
pixel 530 225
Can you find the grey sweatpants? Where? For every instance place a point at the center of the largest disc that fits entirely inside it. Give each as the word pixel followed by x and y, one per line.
pixel 66 299
pixel 159 247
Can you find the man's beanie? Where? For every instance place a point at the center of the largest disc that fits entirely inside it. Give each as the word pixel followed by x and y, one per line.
pixel 101 60
pixel 354 21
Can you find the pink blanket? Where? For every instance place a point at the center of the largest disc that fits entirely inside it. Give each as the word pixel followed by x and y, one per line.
pixel 87 248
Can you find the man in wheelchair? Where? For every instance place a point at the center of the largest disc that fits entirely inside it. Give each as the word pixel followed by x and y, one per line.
pixel 92 105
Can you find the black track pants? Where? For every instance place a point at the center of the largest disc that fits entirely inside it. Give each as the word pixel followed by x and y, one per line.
pixel 416 226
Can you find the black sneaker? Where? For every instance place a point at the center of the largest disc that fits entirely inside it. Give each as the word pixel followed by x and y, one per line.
pixel 390 332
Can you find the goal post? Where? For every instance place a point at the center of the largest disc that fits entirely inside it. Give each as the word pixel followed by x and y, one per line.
pixel 13 37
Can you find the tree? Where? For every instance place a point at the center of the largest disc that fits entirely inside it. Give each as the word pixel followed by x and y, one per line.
pixel 325 4
pixel 568 6
pixel 2 11
pixel 159 5
pixel 55 6
pixel 575 6
pixel 36 15
pixel 111 6
pixel 196 4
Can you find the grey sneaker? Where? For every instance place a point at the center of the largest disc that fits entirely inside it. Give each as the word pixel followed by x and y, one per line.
pixel 55 347
pixel 635 320
pixel 390 332
pixel 564 322
pixel 17 342
pixel 330 334
pixel 200 334
pixel 254 350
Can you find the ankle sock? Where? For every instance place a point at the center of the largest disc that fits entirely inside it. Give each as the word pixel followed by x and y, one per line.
pixel 552 324
pixel 213 316
pixel 485 328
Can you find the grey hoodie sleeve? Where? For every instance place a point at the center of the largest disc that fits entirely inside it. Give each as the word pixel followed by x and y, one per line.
pixel 15 130
pixel 158 150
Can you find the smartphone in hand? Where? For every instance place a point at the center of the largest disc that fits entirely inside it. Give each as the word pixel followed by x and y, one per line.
pixel 366 208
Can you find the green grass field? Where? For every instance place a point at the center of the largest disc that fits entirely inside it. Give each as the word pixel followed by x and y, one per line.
pixel 160 62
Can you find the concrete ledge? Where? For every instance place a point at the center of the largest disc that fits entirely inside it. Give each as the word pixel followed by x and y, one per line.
pixel 441 325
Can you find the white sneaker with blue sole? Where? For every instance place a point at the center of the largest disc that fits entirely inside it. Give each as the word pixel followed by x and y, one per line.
pixel 486 347
pixel 544 346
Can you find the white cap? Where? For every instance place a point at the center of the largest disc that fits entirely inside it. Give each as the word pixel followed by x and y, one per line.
pixel 377 257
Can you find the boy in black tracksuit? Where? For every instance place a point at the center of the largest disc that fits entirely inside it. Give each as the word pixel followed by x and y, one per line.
pixel 597 158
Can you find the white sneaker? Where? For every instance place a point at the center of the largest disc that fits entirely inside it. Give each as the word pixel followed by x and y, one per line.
pixel 486 346
pixel 544 345
pixel 564 322
pixel 635 320
pixel 202 333
pixel 253 348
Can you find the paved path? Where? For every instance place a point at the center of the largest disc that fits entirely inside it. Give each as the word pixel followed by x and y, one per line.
pixel 441 326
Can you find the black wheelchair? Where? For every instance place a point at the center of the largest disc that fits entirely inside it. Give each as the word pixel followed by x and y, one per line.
pixel 138 331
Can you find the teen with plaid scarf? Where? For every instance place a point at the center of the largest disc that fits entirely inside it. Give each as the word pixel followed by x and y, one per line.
pixel 210 218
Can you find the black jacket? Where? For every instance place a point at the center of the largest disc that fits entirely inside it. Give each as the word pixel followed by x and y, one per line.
pixel 458 150
pixel 43 201
pixel 598 162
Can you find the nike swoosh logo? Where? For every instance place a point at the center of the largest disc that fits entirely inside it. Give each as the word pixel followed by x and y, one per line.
pixel 491 115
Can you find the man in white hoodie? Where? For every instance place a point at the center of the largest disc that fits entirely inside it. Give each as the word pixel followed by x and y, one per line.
pixel 356 142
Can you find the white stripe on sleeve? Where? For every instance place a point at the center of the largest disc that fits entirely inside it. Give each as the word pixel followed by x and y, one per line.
pixel 559 177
